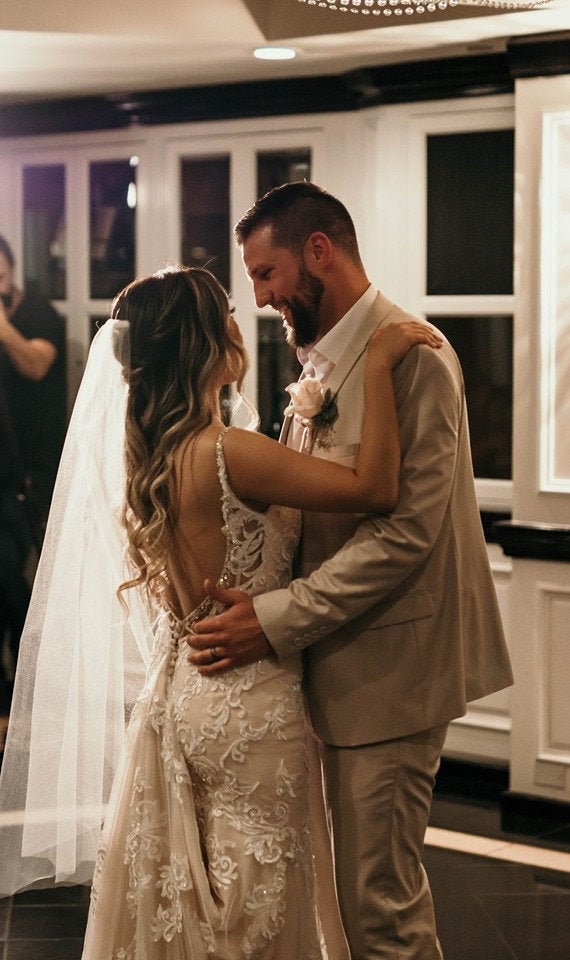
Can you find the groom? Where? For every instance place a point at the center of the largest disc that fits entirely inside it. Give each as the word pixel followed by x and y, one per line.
pixel 397 614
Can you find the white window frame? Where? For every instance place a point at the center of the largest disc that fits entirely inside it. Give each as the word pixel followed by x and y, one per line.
pixel 398 247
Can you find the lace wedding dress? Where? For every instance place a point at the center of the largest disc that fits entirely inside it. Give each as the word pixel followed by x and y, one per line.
pixel 205 852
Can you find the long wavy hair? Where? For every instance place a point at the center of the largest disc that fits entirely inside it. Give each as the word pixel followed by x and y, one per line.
pixel 180 349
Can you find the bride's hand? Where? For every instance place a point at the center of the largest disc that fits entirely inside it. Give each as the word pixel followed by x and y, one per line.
pixel 390 343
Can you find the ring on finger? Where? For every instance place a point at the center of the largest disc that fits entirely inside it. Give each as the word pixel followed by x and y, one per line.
pixel 214 655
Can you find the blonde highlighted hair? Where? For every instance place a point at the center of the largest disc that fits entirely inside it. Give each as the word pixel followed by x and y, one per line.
pixel 180 349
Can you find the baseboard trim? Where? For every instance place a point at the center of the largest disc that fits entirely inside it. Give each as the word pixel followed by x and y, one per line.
pixel 468 780
pixel 522 813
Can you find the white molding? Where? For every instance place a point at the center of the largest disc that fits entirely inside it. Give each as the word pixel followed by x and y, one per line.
pixel 554 617
pixel 451 306
pixel 496 496
pixel 477 744
pixel 540 740
pixel 554 468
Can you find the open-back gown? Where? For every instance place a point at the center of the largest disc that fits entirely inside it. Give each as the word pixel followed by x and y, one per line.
pixel 205 851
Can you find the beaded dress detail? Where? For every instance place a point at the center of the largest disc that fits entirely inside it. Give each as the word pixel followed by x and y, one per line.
pixel 205 852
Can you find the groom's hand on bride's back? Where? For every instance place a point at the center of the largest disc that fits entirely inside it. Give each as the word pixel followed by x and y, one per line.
pixel 233 638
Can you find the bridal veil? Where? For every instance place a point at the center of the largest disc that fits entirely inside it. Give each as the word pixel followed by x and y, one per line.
pixel 83 651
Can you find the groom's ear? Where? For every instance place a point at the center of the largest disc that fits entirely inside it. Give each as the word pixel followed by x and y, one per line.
pixel 318 251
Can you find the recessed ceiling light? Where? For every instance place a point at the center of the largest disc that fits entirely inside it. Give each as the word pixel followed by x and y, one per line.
pixel 274 53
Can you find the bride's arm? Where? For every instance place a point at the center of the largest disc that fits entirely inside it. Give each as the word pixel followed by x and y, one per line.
pixel 265 471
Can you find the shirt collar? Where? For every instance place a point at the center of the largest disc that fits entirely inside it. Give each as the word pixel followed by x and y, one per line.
pixel 326 353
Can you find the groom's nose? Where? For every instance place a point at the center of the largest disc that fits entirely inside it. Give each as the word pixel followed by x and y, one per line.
pixel 263 294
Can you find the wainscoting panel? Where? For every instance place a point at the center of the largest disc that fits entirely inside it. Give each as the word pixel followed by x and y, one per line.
pixel 540 756
pixel 483 734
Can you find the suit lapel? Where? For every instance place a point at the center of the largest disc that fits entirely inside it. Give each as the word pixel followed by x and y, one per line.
pixel 285 428
pixel 376 316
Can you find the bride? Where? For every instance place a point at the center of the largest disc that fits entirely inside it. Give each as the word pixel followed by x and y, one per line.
pixel 210 846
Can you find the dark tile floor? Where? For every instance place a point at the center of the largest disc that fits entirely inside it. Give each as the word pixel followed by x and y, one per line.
pixel 498 895
pixel 496 910
pixel 44 924
pixel 487 910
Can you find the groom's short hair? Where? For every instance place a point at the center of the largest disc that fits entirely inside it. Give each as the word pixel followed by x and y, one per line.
pixel 296 210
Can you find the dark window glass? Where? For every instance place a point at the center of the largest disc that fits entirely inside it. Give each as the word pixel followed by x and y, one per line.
pixel 44 231
pixel 277 363
pixel 275 167
pixel 277 367
pixel 470 213
pixel 205 215
pixel 112 192
pixel 484 347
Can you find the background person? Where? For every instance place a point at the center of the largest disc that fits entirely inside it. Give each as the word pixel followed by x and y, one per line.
pixel 32 427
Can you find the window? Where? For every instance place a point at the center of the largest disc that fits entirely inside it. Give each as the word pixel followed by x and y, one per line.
pixel 112 195
pixel 469 278
pixel 278 366
pixel 45 255
pixel 275 167
pixel 205 214
pixel 484 346
pixel 276 361
pixel 470 213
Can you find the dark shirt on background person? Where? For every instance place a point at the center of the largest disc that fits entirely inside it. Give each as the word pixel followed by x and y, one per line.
pixel 33 401
pixel 37 408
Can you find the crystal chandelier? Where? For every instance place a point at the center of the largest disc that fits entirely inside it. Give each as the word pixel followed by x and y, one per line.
pixel 400 8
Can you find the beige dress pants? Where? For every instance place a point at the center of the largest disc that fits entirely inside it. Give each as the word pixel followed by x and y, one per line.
pixel 379 797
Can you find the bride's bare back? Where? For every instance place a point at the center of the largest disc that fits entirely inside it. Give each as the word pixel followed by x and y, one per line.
pixel 199 545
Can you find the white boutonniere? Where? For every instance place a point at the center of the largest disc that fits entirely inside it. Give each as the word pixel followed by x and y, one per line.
pixel 315 406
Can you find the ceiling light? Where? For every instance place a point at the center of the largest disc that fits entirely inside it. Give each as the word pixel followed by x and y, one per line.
pixel 274 53
pixel 399 8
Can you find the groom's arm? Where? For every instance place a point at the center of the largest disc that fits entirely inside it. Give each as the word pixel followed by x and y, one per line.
pixel 382 552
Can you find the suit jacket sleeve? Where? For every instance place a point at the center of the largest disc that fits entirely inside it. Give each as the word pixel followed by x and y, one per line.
pixel 384 550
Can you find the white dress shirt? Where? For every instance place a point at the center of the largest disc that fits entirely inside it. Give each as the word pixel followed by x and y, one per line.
pixel 321 357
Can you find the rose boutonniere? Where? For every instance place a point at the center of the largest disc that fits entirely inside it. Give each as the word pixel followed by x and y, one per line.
pixel 315 406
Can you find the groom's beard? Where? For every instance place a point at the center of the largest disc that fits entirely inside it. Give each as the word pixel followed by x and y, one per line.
pixel 304 307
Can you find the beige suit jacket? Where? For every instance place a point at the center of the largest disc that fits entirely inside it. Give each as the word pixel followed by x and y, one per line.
pixel 397 614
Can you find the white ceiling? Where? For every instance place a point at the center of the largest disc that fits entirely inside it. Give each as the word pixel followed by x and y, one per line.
pixel 62 48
